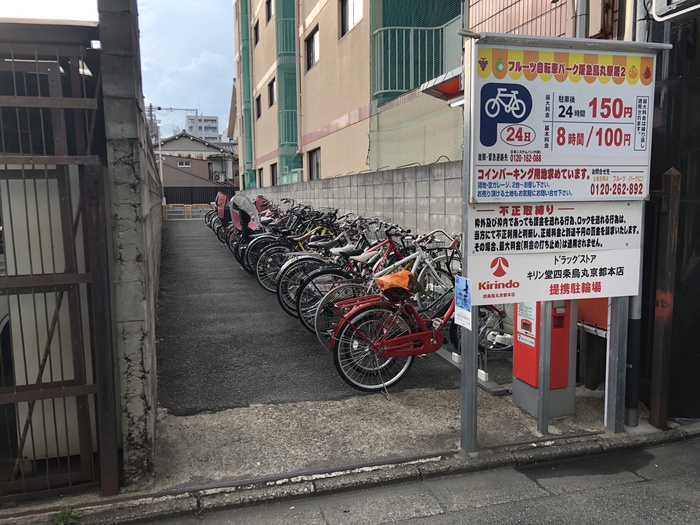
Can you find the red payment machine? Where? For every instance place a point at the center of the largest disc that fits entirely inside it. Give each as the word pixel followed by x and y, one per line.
pixel 526 359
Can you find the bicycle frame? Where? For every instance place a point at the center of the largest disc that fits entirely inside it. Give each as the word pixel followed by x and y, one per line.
pixel 424 340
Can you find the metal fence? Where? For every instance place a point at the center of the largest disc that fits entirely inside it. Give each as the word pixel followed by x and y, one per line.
pixel 57 400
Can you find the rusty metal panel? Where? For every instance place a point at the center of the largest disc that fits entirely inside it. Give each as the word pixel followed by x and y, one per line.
pixel 664 300
pixel 56 370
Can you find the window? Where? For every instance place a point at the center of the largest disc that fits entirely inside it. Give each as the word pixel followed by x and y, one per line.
pixel 256 33
pixel 258 107
pixel 350 14
pixel 258 182
pixel 312 49
pixel 315 164
pixel 271 90
pixel 184 164
pixel 273 174
pixel 269 9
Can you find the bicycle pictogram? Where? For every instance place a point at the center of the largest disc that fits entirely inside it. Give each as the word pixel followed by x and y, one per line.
pixel 508 100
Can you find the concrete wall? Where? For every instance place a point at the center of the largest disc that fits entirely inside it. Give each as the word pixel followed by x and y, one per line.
pixel 421 198
pixel 135 194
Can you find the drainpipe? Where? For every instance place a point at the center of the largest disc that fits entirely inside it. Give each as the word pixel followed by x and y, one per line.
pixel 297 24
pixel 580 18
pixel 634 11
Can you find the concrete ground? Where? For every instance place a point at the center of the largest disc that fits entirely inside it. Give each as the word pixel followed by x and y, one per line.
pixel 252 409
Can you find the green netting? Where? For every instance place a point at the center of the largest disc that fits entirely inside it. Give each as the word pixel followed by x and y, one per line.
pixel 289 162
pixel 247 151
pixel 413 41
pixel 421 131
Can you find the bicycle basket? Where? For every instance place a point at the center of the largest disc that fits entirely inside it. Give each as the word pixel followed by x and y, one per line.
pixel 398 286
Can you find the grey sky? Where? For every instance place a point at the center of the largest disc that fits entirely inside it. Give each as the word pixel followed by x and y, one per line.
pixel 187 51
pixel 187 55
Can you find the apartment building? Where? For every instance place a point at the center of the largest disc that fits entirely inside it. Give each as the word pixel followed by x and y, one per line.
pixel 313 74
pixel 330 88
pixel 205 127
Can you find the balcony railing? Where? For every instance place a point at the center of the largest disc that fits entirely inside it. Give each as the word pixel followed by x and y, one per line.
pixel 287 125
pixel 406 57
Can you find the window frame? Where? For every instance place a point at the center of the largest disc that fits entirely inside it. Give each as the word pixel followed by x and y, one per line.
pixel 273 174
pixel 312 43
pixel 348 17
pixel 259 178
pixel 269 10
pixel 184 163
pixel 314 160
pixel 258 107
pixel 271 92
pixel 256 33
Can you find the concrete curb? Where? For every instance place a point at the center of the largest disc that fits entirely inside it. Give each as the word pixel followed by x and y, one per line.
pixel 137 508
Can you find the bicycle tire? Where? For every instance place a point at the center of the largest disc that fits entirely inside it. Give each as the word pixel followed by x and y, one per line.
pixel 268 265
pixel 312 289
pixel 326 319
pixel 255 247
pixel 240 250
pixel 290 278
pixel 354 360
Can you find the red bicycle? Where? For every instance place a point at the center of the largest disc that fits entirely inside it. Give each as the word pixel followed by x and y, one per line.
pixel 379 336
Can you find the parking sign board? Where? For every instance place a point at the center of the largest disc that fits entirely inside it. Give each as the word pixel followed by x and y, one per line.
pixel 560 124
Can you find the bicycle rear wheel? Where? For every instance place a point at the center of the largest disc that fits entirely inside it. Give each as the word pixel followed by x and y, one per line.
pixel 312 289
pixel 326 320
pixel 356 362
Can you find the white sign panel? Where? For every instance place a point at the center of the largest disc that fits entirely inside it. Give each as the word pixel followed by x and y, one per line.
pixel 555 227
pixel 560 125
pixel 551 276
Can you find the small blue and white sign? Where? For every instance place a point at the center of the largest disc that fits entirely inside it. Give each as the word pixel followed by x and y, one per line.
pixel 463 302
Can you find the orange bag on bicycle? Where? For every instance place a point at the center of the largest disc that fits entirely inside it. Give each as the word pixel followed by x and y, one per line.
pixel 398 286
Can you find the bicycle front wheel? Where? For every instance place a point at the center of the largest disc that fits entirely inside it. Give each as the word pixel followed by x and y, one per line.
pixel 326 319
pixel 289 280
pixel 436 291
pixel 357 362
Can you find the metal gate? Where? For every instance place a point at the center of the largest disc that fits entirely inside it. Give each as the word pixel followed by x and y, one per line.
pixel 57 401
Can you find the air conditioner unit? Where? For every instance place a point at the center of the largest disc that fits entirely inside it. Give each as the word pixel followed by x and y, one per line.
pixel 217 178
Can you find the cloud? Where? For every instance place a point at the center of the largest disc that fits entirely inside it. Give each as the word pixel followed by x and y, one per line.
pixel 187 58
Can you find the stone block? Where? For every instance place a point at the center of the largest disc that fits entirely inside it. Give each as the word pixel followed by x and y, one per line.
pixel 453 170
pixel 423 222
pixel 437 171
pixel 437 205
pixel 119 34
pixel 409 189
pixel 423 189
pixel 118 74
pixel 121 118
pixel 422 173
pixel 130 301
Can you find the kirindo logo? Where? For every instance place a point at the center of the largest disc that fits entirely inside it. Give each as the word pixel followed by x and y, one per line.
pixel 500 264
